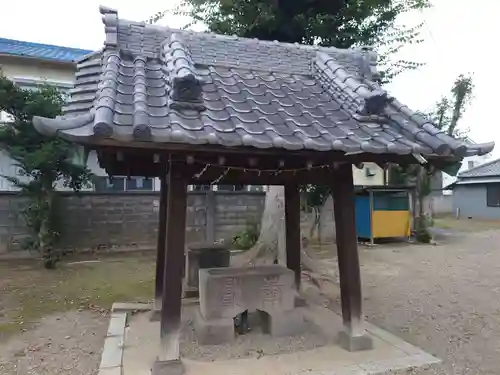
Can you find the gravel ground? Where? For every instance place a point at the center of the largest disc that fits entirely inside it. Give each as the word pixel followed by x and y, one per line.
pixel 253 344
pixel 69 343
pixel 444 299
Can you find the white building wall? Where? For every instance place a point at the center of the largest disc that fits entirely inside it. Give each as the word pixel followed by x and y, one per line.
pixel 29 68
pixel 370 175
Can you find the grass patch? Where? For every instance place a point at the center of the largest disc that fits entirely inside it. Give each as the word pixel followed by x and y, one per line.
pixel 465 225
pixel 30 292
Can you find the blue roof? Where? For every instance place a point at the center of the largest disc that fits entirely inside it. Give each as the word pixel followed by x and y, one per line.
pixel 41 51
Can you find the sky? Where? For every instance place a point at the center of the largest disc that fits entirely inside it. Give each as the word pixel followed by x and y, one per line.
pixel 458 35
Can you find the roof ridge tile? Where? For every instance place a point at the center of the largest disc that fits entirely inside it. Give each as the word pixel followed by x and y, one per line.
pixel 106 95
pixel 368 99
pixel 110 20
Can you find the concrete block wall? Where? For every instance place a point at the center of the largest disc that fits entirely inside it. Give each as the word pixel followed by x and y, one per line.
pixel 128 220
pixel 12 228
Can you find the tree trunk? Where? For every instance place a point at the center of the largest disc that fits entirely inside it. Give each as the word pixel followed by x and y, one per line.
pixel 326 228
pixel 44 234
pixel 271 245
pixel 420 192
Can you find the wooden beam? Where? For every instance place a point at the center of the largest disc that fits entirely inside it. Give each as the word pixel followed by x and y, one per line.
pixel 292 229
pixel 162 236
pixel 174 264
pixel 141 161
pixel 353 337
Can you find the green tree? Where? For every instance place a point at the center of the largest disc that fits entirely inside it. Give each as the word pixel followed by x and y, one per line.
pixel 446 115
pixel 450 109
pixel 41 161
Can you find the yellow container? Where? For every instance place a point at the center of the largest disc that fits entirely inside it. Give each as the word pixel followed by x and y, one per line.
pixel 387 224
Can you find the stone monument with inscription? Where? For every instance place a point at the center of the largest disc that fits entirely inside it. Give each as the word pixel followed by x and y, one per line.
pixel 226 292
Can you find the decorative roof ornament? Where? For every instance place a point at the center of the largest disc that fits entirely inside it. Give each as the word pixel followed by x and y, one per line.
pixel 368 64
pixel 365 97
pixel 375 103
pixel 186 84
pixel 110 20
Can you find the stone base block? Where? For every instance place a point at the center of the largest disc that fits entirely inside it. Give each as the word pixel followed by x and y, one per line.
pixel 174 367
pixel 155 315
pixel 213 332
pixel 191 292
pixel 129 307
pixel 286 323
pixel 355 343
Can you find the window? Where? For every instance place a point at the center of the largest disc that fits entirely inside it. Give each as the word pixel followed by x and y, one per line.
pixel 493 195
pixel 102 184
pixel 201 187
pixel 105 184
pixel 36 83
pixel 230 187
pixel 255 188
pixel 139 183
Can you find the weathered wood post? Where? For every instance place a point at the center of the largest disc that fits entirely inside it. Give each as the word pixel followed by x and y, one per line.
pixel 174 262
pixel 353 337
pixel 160 247
pixel 292 230
pixel 210 216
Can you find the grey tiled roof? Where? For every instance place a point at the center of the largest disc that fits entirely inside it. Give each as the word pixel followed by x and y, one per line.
pixel 489 169
pixel 155 84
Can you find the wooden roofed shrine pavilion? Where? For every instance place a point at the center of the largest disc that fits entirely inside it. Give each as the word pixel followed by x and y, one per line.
pixel 200 108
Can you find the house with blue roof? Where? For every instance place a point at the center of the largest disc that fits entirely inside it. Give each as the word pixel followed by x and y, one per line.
pixel 30 65
pixel 47 52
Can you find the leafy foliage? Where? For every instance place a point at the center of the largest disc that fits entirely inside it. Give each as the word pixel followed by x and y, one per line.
pixel 246 238
pixel 314 196
pixel 446 116
pixel 41 161
pixel 450 109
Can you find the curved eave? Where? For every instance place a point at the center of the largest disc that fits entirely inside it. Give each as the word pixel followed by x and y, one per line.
pixel 462 148
pixel 426 132
pixel 480 148
pixel 81 129
pixel 76 129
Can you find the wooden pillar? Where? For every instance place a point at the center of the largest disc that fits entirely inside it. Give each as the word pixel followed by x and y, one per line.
pixel 353 337
pixel 210 216
pixel 174 264
pixel 292 229
pixel 160 247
